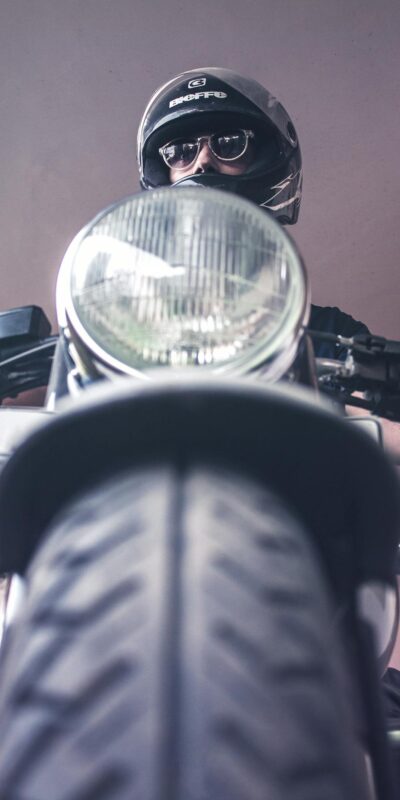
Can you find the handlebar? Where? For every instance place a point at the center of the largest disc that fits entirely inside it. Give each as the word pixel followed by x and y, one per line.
pixel 26 369
pixel 371 367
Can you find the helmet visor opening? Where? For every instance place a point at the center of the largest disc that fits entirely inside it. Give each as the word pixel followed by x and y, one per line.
pixel 176 145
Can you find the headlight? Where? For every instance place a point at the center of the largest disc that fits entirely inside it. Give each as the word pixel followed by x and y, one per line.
pixel 185 278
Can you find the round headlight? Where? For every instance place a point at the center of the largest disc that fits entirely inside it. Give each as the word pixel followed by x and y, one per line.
pixel 181 279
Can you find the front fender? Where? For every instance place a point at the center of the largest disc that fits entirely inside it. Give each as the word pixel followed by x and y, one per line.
pixel 334 476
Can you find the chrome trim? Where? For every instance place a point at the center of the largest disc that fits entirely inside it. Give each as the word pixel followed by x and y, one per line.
pixel 274 364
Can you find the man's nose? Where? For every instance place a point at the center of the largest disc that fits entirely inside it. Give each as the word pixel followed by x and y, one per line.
pixel 205 158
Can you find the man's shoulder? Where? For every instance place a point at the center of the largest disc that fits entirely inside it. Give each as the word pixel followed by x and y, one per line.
pixel 330 319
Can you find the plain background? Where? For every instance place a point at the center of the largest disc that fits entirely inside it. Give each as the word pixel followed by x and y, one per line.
pixel 77 74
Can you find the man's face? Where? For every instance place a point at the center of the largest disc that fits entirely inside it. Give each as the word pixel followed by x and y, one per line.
pixel 228 152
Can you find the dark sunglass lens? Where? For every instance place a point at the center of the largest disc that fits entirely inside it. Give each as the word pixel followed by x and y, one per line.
pixel 179 155
pixel 229 145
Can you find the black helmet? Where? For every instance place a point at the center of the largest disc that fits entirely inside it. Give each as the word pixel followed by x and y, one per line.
pixel 206 98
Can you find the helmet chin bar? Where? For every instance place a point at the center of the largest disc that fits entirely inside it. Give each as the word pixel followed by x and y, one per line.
pixel 214 180
pixel 285 193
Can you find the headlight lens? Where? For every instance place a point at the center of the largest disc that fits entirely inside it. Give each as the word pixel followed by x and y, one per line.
pixel 191 277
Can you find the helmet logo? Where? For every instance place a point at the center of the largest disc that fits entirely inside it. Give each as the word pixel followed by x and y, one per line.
pixel 197 96
pixel 196 83
pixel 280 187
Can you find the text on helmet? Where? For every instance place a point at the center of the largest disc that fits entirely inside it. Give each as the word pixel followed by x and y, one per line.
pixel 197 96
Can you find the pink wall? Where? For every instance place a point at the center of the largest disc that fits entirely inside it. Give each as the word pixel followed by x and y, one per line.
pixel 76 75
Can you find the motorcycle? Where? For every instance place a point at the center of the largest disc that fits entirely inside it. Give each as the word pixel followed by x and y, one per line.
pixel 205 547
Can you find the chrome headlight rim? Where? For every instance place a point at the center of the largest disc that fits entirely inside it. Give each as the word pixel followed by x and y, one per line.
pixel 279 353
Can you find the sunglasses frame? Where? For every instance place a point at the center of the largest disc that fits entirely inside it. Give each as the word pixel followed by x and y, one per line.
pixel 206 138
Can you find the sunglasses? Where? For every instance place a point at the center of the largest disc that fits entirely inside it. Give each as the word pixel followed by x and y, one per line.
pixel 226 146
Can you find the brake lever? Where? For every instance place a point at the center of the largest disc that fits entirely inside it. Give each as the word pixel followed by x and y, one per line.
pixel 372 366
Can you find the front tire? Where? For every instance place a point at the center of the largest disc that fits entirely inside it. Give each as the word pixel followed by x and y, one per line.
pixel 177 644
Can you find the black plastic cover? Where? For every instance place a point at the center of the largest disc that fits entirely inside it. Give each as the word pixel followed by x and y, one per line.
pixel 23 325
